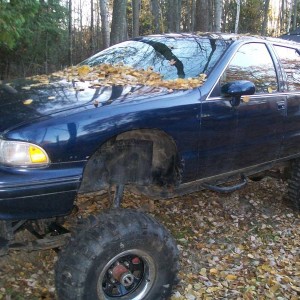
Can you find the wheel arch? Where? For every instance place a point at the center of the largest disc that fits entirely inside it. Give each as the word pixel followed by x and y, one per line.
pixel 141 157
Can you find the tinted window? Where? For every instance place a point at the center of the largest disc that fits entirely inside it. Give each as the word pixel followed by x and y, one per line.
pixel 290 60
pixel 252 62
pixel 182 57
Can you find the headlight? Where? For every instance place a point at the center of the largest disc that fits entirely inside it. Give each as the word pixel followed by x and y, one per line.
pixel 16 153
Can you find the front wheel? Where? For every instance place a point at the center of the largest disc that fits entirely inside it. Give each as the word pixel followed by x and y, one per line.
pixel 120 254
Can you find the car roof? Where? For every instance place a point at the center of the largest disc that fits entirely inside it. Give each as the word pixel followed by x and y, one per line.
pixel 225 36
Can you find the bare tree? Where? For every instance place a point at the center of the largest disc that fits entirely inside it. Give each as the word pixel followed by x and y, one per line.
pixel 237 18
pixel 188 13
pixel 70 47
pixel 295 14
pixel 174 15
pixel 98 27
pixel 264 29
pixel 202 20
pixel 136 8
pixel 179 7
pixel 104 23
pixel 155 9
pixel 289 18
pixel 193 14
pixel 218 15
pixel 283 15
pixel 79 8
pixel 92 28
pixel 118 25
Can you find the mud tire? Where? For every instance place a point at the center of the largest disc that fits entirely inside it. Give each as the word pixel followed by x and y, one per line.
pixel 294 185
pixel 118 236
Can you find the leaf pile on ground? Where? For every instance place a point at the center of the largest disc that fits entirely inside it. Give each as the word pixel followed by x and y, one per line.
pixel 244 245
pixel 109 75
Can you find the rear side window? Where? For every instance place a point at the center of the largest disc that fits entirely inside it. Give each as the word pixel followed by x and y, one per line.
pixel 253 62
pixel 290 60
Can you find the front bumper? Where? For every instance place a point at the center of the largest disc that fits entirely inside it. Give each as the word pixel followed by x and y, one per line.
pixel 39 193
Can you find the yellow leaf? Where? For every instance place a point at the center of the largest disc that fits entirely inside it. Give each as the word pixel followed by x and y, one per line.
pixel 83 70
pixel 231 277
pixel 213 271
pixel 266 268
pixel 27 102
pixel 246 99
pixel 275 288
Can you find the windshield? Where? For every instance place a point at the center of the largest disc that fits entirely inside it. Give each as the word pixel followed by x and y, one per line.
pixel 172 57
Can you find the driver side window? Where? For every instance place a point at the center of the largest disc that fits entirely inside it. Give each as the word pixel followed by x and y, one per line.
pixel 252 62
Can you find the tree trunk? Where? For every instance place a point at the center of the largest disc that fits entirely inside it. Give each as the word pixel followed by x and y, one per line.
pixel 218 15
pixel 281 18
pixel 237 18
pixel 92 28
pixel 173 15
pixel 210 14
pixel 289 19
pixel 155 9
pixel 118 24
pixel 264 29
pixel 81 30
pixel 136 8
pixel 186 19
pixel 179 6
pixel 104 23
pixel 70 46
pixel 193 14
pixel 98 38
pixel 295 14
pixel 202 16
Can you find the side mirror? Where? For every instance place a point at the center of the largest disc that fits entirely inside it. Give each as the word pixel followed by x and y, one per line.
pixel 236 89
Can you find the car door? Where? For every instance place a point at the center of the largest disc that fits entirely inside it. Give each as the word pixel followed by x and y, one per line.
pixel 252 131
pixel 290 61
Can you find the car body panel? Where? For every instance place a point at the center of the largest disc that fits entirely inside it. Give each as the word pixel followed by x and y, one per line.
pixel 38 193
pixel 211 136
pixel 291 128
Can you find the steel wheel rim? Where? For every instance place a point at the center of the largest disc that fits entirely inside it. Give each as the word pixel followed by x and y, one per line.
pixel 128 275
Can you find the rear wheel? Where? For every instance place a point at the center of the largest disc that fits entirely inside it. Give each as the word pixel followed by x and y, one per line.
pixel 294 184
pixel 121 254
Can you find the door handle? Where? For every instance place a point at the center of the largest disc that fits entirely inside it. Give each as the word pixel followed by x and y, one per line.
pixel 281 105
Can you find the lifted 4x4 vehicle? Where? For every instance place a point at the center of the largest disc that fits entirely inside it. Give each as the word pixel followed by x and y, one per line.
pixel 161 115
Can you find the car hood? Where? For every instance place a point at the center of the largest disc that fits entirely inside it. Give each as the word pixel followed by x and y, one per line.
pixel 25 100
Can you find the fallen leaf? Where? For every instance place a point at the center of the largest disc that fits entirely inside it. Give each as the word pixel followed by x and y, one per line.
pixel 231 277
pixel 27 102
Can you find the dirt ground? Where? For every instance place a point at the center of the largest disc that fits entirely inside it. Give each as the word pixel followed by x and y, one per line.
pixel 243 245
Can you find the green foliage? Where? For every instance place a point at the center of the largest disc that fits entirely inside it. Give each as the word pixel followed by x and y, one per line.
pixel 146 18
pixel 45 35
pixel 229 10
pixel 251 17
pixel 13 15
pixel 39 44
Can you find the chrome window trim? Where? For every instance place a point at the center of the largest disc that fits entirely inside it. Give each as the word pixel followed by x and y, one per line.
pixel 256 96
pixel 216 82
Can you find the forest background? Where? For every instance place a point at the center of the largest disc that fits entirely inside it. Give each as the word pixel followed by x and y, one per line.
pixel 42 36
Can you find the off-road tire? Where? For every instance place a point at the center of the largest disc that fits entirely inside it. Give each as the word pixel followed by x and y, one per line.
pixel 118 236
pixel 294 184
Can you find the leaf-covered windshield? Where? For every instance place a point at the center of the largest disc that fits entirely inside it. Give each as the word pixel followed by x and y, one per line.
pixel 172 57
